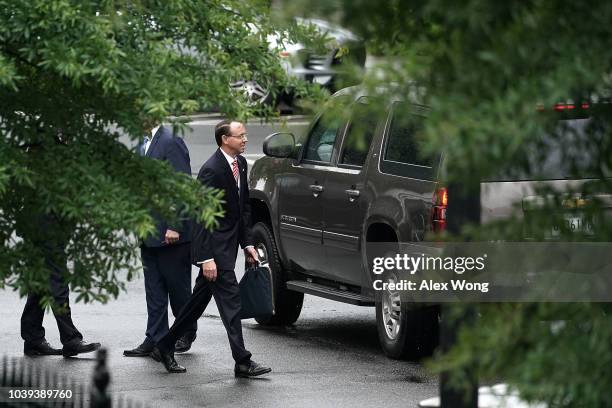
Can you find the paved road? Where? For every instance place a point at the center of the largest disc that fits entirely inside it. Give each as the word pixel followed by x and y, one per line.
pixel 200 138
pixel 329 358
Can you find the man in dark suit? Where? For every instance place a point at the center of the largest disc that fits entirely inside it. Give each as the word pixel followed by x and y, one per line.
pixel 50 234
pixel 166 253
pixel 215 253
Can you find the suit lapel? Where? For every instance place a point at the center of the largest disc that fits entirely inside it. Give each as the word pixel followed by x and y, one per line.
pixel 243 175
pixel 155 141
pixel 243 182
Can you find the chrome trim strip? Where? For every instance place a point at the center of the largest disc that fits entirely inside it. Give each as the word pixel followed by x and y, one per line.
pixel 408 164
pixel 348 238
pixel 341 241
pixel 330 168
pixel 297 228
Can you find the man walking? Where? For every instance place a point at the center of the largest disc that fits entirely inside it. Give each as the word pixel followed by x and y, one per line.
pixel 51 236
pixel 215 253
pixel 166 254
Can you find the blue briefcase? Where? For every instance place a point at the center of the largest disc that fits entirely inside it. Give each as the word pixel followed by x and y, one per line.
pixel 256 293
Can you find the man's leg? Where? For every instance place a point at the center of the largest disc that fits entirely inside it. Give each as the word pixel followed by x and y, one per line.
pixel 60 291
pixel 70 337
pixel 156 295
pixel 189 314
pixel 175 264
pixel 32 330
pixel 227 297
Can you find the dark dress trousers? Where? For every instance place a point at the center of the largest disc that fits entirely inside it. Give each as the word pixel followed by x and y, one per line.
pixel 167 268
pixel 222 246
pixel 51 237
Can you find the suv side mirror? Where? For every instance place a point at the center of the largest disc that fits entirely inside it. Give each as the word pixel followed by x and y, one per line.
pixel 281 145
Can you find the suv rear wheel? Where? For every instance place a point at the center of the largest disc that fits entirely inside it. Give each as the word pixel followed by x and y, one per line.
pixel 287 303
pixel 405 332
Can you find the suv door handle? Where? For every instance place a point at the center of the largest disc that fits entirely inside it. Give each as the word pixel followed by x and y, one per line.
pixel 353 194
pixel 316 189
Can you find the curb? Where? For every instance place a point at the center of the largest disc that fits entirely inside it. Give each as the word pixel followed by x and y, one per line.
pixel 215 116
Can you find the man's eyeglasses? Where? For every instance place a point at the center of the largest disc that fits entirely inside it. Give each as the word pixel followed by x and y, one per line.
pixel 243 136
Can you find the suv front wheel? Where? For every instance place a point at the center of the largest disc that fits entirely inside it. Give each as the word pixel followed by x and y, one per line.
pixel 405 332
pixel 287 303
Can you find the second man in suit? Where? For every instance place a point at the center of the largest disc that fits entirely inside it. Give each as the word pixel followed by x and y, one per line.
pixel 215 253
pixel 166 253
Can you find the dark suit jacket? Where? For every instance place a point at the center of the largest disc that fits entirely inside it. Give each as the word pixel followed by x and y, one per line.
pixel 235 226
pixel 172 149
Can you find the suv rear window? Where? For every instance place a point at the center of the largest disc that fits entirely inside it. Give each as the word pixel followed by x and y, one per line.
pixel 402 152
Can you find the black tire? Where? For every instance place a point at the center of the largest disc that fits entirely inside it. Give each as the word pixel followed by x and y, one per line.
pixel 412 333
pixel 287 303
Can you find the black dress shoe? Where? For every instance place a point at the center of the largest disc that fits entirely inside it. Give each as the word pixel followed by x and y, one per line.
pixel 143 350
pixel 77 347
pixel 42 348
pixel 183 344
pixel 250 369
pixel 167 359
pixel 155 355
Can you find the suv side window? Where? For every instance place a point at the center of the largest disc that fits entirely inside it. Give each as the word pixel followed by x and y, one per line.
pixel 359 134
pixel 402 153
pixel 322 139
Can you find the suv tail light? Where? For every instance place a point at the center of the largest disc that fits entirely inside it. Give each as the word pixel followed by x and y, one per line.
pixel 561 107
pixel 440 203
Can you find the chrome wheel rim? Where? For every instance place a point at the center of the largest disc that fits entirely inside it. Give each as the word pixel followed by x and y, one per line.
pixel 254 92
pixel 391 311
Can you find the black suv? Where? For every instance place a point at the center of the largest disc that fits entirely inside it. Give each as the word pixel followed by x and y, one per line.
pixel 361 178
pixel 315 206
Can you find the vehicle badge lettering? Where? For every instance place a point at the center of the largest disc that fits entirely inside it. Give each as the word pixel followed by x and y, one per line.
pixel 287 218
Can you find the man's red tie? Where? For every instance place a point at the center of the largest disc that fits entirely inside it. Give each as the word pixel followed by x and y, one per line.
pixel 235 170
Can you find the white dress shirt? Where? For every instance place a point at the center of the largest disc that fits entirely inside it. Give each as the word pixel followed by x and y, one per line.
pixel 148 144
pixel 230 161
